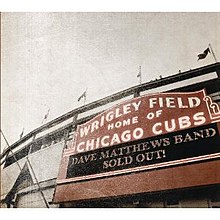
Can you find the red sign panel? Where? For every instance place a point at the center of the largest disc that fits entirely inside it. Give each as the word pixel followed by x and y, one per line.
pixel 144 117
pixel 134 120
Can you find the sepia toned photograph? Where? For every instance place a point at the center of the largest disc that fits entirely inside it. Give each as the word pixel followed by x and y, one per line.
pixel 110 110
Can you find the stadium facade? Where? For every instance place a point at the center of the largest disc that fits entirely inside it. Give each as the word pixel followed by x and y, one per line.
pixel 134 148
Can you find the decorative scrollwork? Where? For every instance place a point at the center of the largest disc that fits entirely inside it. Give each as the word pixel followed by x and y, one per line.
pixel 214 109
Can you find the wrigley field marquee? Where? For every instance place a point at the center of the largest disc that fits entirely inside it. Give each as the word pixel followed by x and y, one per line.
pixel 143 133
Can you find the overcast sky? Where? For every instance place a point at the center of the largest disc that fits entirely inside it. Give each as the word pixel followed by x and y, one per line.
pixel 49 59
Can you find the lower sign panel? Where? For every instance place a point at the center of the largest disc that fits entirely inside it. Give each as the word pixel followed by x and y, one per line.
pixel 182 147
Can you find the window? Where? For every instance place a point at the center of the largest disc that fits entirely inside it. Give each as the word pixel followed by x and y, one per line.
pixel 215 203
pixel 17 156
pixel 172 203
pixel 36 147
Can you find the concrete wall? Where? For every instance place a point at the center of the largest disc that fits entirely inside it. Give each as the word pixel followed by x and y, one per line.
pixel 45 164
pixel 35 199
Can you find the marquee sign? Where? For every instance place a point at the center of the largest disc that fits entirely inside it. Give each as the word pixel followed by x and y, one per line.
pixel 141 134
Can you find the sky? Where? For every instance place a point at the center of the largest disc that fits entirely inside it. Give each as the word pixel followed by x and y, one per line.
pixel 49 59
